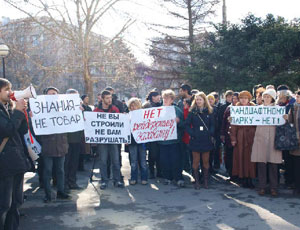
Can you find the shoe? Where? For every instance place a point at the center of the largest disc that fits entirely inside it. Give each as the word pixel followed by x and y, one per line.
pixel 144 182
pixel 167 182
pixel 262 192
pixel 103 186
pixel 119 184
pixel 62 195
pixel 180 183
pixel 75 187
pixel 132 182
pixel 274 192
pixel 47 200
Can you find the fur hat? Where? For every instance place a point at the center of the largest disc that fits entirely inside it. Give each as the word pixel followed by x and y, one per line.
pixel 245 93
pixel 270 92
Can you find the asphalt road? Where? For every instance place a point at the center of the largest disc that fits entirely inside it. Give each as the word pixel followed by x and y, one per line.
pixel 156 206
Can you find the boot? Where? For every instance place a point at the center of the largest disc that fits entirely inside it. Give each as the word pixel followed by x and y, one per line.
pixel 205 175
pixel 197 180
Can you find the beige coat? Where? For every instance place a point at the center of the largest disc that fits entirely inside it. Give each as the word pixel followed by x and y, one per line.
pixel 296 115
pixel 263 149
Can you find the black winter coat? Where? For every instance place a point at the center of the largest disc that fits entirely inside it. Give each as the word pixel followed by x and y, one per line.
pixel 12 159
pixel 200 137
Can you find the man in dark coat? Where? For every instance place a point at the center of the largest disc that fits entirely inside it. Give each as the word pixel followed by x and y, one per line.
pixel 54 150
pixel 13 163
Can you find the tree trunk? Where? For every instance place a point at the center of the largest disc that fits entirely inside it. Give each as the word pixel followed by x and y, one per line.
pixel 191 30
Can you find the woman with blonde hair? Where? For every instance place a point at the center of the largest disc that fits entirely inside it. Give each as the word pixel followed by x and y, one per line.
pixel 137 152
pixel 200 126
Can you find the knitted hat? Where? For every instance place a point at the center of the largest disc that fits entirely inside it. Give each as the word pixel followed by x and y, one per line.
pixel 50 88
pixel 245 93
pixel 270 92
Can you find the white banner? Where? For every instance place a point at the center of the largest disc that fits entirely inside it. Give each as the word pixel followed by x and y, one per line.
pixel 56 114
pixel 257 115
pixel 107 128
pixel 153 124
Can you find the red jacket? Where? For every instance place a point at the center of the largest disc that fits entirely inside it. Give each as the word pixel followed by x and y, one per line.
pixel 111 109
pixel 186 136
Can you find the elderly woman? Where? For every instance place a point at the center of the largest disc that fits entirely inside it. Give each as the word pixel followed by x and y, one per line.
pixel 170 150
pixel 242 141
pixel 285 98
pixel 264 152
pixel 295 155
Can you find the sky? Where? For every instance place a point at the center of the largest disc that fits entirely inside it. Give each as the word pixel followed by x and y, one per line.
pixel 146 12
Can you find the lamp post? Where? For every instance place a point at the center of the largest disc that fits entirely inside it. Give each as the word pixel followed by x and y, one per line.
pixel 4 51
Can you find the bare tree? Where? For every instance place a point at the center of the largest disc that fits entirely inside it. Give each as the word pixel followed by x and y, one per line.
pixel 72 20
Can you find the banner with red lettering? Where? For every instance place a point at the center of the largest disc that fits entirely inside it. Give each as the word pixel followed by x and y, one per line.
pixel 153 124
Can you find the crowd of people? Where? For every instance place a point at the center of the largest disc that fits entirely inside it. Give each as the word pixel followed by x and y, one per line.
pixel 205 138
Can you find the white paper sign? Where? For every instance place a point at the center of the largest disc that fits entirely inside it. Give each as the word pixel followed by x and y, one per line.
pixel 34 149
pixel 56 114
pixel 107 128
pixel 153 124
pixel 257 115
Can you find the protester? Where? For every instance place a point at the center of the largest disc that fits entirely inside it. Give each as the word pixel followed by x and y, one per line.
pixel 153 99
pixel 13 163
pixel 115 101
pixel 105 150
pixel 200 125
pixel 185 150
pixel 220 113
pixel 137 152
pixel 285 98
pixel 184 93
pixel 54 149
pixel 170 150
pixel 259 95
pixel 85 103
pixel 295 120
pixel 72 158
pixel 264 152
pixel 225 137
pixel 242 141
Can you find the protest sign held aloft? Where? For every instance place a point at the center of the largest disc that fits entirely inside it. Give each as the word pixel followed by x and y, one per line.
pixel 56 114
pixel 257 115
pixel 153 124
pixel 107 128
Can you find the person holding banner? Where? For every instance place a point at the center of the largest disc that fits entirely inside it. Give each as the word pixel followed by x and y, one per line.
pixel 170 150
pixel 264 152
pixel 137 152
pixel 153 100
pixel 54 150
pixel 200 126
pixel 242 141
pixel 108 150
pixel 13 162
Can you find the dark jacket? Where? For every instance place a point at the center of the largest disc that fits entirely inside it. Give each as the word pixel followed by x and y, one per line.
pixel 54 145
pixel 200 137
pixel 150 104
pixel 12 159
pixel 87 108
pixel 221 111
pixel 116 102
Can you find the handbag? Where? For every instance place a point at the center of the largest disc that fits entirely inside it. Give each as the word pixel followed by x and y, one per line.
pixel 286 136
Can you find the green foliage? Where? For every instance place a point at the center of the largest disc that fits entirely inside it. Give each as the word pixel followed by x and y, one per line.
pixel 239 56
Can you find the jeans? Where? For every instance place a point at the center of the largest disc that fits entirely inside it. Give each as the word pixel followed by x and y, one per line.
pixel 137 155
pixel 11 198
pixel 112 151
pixel 71 163
pixel 186 157
pixel 58 162
pixel 170 161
